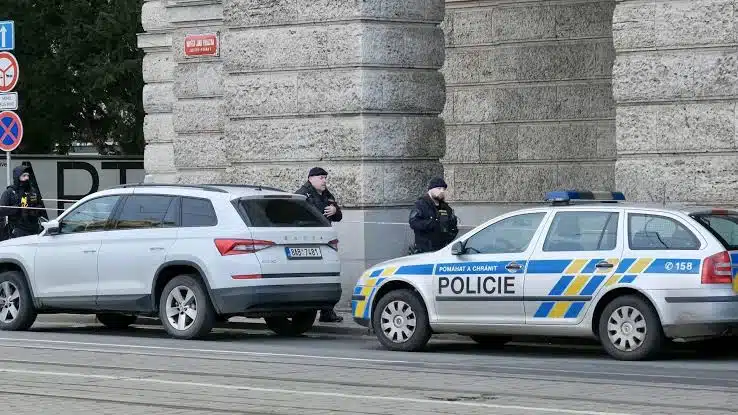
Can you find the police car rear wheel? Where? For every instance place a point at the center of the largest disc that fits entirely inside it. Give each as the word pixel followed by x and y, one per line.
pixel 630 329
pixel 401 322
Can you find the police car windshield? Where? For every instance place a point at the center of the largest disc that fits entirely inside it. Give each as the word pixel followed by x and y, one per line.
pixel 723 226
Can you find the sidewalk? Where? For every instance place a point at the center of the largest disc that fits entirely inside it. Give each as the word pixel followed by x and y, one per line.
pixel 347 326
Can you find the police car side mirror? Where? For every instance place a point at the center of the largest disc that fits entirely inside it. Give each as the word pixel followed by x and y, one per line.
pixel 51 227
pixel 458 248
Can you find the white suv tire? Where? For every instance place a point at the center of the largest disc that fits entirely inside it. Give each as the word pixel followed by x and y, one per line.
pixel 185 309
pixel 17 312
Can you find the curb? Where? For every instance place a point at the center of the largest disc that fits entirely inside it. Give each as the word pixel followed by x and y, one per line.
pixel 341 329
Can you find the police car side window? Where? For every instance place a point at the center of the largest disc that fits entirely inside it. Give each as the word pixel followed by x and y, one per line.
pixel 510 235
pixel 648 232
pixel 90 216
pixel 582 231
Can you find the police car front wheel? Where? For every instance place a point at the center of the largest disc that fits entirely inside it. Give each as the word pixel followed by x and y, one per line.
pixel 630 329
pixel 401 321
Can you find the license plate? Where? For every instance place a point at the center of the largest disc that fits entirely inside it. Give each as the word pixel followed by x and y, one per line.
pixel 300 253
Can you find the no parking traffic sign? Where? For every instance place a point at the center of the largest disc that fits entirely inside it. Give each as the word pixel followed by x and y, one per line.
pixel 11 131
pixel 9 71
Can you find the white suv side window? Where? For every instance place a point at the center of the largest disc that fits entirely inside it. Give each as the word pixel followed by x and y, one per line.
pixel 90 216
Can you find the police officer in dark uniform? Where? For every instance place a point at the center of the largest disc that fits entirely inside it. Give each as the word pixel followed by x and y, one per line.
pixel 21 194
pixel 432 219
pixel 318 195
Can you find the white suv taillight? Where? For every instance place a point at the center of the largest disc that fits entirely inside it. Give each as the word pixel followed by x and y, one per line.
pixel 717 269
pixel 333 244
pixel 240 246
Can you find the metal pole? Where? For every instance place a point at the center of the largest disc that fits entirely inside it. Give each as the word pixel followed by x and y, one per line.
pixel 7 170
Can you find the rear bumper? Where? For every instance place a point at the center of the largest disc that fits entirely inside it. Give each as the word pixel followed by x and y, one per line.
pixel 706 316
pixel 276 299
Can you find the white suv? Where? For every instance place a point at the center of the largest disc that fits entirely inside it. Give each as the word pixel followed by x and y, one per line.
pixel 189 254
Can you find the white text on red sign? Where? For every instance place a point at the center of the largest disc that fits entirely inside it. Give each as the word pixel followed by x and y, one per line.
pixel 201 45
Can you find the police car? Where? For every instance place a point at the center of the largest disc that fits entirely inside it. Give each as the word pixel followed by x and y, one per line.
pixel 585 264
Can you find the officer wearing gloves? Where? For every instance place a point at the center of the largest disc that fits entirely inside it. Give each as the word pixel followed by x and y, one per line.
pixel 433 220
pixel 318 195
pixel 21 194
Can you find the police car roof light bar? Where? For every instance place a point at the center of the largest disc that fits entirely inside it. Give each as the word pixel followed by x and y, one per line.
pixel 569 196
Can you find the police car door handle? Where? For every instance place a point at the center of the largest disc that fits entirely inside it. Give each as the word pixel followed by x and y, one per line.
pixel 604 264
pixel 513 265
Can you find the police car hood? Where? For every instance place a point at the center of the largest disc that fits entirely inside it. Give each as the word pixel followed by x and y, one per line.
pixel 417 259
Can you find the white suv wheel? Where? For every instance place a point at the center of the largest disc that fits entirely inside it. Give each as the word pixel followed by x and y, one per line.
pixel 185 309
pixel 181 308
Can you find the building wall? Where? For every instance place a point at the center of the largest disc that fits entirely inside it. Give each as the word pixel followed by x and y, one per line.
pixel 676 88
pixel 529 105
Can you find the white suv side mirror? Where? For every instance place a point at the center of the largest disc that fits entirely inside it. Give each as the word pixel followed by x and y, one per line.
pixel 51 227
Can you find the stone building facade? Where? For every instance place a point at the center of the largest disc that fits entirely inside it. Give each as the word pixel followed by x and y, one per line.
pixel 506 98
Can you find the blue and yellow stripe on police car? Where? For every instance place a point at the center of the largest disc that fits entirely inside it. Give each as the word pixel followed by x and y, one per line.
pixel 587 285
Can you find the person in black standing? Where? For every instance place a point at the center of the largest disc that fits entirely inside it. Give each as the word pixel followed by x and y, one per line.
pixel 432 219
pixel 21 194
pixel 318 195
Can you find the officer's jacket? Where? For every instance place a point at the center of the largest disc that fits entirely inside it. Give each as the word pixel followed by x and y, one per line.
pixel 320 201
pixel 434 226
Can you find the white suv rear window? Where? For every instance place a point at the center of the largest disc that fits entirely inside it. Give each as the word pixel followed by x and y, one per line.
pixel 282 213
pixel 724 227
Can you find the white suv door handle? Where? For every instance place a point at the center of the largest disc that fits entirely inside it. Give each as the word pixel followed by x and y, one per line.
pixel 89 251
pixel 156 248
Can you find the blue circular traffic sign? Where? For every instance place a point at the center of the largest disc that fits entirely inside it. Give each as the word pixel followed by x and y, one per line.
pixel 11 131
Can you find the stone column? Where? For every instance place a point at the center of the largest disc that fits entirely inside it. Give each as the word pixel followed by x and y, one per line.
pixel 350 85
pixel 675 83
pixel 158 98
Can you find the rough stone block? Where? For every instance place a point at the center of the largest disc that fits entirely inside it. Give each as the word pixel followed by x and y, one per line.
pixel 499 142
pixel 691 127
pixel 561 141
pixel 155 42
pixel 261 94
pixel 462 144
pixel 709 179
pixel 158 98
pixel 503 183
pixel 159 128
pixel 596 176
pixel 202 176
pixel 585 19
pixel 675 75
pixel 298 139
pixel 195 13
pixel 674 24
pixel 414 137
pixel 154 16
pixel 530 62
pixel 249 13
pixel 338 91
pixel 189 151
pixel 634 25
pixel 199 115
pixel 580 100
pixel 159 158
pixel 198 80
pixel 158 67
pixel 399 91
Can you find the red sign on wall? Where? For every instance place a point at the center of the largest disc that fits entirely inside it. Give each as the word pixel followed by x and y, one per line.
pixel 206 44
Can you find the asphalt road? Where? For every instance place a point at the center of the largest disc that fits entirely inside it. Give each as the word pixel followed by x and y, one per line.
pixel 66 369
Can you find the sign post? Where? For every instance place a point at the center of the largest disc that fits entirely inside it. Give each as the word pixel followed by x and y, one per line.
pixel 11 127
